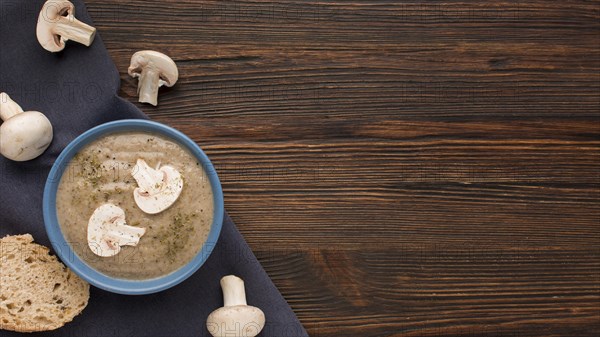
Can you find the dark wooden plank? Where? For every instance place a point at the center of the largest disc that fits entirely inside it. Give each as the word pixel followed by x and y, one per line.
pixel 399 168
pixel 441 290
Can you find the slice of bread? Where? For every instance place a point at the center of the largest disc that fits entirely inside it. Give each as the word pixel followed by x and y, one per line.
pixel 37 292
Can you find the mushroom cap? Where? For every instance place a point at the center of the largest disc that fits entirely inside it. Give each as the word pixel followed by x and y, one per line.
pixel 49 15
pixel 238 320
pixel 107 231
pixel 160 62
pixel 25 136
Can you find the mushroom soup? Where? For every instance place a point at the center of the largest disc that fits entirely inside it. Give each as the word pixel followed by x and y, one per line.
pixel 135 205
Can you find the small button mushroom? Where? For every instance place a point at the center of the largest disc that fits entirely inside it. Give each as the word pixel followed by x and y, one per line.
pixel 107 231
pixel 157 189
pixel 154 70
pixel 236 317
pixel 57 24
pixel 23 135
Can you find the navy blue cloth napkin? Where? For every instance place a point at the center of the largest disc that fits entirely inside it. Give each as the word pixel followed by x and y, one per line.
pixel 77 89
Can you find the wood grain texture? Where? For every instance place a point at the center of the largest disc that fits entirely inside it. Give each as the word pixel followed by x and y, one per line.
pixel 399 168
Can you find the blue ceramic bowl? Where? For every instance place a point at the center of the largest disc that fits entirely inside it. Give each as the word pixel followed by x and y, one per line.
pixel 66 252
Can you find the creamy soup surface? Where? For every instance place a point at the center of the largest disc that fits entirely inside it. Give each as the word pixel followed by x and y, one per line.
pixel 101 173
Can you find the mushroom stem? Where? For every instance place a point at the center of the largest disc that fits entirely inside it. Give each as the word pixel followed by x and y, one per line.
pixel 148 86
pixel 233 291
pixel 8 107
pixel 69 28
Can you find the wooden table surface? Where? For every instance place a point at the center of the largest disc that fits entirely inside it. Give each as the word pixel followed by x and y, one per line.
pixel 399 168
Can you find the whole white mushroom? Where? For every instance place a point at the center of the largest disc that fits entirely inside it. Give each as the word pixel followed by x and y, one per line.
pixel 236 318
pixel 23 135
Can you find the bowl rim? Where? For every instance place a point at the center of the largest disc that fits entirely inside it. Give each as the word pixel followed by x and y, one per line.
pixel 66 252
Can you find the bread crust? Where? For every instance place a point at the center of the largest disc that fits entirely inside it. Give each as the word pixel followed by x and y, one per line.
pixel 37 292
